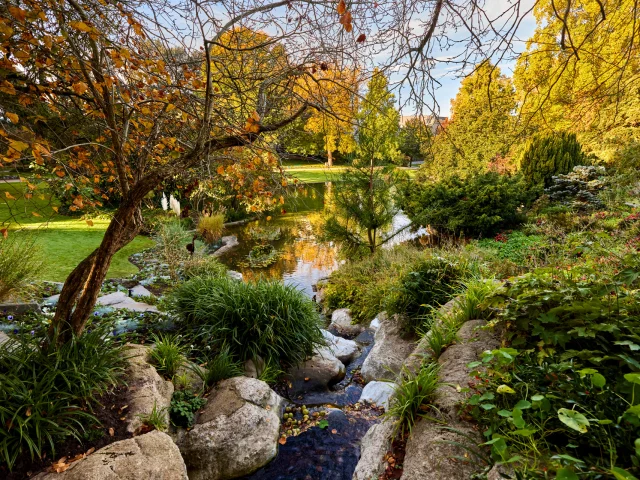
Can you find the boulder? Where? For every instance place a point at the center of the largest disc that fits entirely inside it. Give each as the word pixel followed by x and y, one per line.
pixel 234 275
pixel 236 432
pixel 253 368
pixel 374 445
pixel 51 301
pixel 390 349
pixel 120 300
pixel 343 349
pixel 141 292
pixel 375 324
pixel 152 456
pixel 318 372
pixel 19 307
pixel 378 393
pixel 342 322
pixel 431 450
pixel 147 389
pixel 229 242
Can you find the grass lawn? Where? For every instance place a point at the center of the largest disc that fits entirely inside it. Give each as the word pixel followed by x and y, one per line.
pixel 313 174
pixel 63 241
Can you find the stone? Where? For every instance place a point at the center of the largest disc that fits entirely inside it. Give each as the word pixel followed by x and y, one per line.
pixel 375 324
pixel 147 389
pixel 152 456
pixel 378 392
pixel 374 446
pixel 389 351
pixel 431 450
pixel 236 432
pixel 253 369
pixel 120 300
pixel 51 301
pixel 188 373
pixel 235 275
pixel 343 349
pixel 318 372
pixel 140 291
pixel 4 338
pixel 343 323
pixel 228 243
pixel 19 307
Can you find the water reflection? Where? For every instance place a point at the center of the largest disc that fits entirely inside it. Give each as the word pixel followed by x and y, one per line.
pixel 304 258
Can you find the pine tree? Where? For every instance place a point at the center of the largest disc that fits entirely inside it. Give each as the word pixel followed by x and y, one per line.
pixel 548 155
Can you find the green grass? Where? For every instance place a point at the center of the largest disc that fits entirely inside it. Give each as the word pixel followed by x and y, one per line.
pixel 63 241
pixel 321 174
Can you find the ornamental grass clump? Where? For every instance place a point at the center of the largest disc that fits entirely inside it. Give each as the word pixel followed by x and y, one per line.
pixel 210 228
pixel 20 261
pixel 47 392
pixel 268 319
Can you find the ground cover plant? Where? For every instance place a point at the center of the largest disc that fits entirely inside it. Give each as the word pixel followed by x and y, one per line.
pixel 263 319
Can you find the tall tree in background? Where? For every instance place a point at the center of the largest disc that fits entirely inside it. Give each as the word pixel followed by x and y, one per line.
pixel 481 124
pixel 581 72
pixel 415 139
pixel 378 124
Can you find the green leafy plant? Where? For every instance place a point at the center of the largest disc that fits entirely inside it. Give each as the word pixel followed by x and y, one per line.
pixel 184 405
pixel 155 419
pixel 48 392
pixel 220 367
pixel 478 206
pixel 167 354
pixel 413 396
pixel 546 155
pixel 20 261
pixel 202 266
pixel 262 319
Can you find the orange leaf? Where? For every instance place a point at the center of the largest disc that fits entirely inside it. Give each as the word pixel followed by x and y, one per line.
pixel 13 117
pixel 9 196
pixel 90 223
pixel 55 209
pixel 36 214
pixel 346 18
pixel 348 28
pixel 60 173
pixel 5 232
pixel 18 13
pixel 342 7
pixel 253 123
pixel 111 432
pixel 83 27
pixel 220 170
pixel 79 87
pixel 282 440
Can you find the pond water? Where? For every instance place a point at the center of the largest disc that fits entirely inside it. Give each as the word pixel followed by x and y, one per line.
pixel 303 258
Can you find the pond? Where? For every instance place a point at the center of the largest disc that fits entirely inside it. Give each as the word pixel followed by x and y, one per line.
pixel 303 257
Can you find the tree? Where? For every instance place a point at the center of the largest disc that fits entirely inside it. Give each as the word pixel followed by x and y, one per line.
pixel 378 124
pixel 415 139
pixel 480 128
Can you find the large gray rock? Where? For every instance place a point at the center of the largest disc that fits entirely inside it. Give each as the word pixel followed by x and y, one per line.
pixel 141 292
pixel 390 349
pixel 121 301
pixel 236 433
pixel 318 372
pixel 19 307
pixel 343 349
pixel 147 389
pixel 343 323
pixel 431 451
pixel 374 445
pixel 4 338
pixel 152 456
pixel 378 392
pixel 229 242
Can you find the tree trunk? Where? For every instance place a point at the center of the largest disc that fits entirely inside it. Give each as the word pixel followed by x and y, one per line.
pixel 329 158
pixel 82 287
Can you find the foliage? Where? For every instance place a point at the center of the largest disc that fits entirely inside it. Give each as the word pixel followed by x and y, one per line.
pixel 363 207
pixel 413 396
pixel 566 385
pixel 167 354
pixel 547 155
pixel 203 266
pixel 20 262
pixel 578 188
pixel 221 367
pixel 47 392
pixel 261 256
pixel 415 139
pixel 431 281
pixel 481 126
pixel 155 418
pixel 210 228
pixel 184 405
pixel 172 239
pixel 263 234
pixel 479 205
pixel 378 124
pixel 268 319
pixel 513 246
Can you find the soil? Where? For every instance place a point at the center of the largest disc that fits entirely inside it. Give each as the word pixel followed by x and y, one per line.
pixel 109 416
pixel 395 459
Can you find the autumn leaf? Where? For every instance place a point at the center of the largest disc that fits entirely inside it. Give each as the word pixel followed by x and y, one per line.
pixel 253 123
pixel 18 145
pixel 111 432
pixel 348 28
pixel 79 87
pixel 60 173
pixel 81 26
pixel 90 223
pixel 342 7
pixel 55 209
pixel 13 117
pixel 18 13
pixel 5 232
pixel 36 214
pixel 346 19
pixel 361 38
pixel 282 440
pixel 9 196
pixel 220 170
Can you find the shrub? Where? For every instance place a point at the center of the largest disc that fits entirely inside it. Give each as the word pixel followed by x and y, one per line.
pixel 516 246
pixel 184 405
pixel 413 395
pixel 47 393
pixel 221 367
pixel 20 260
pixel 546 155
pixel 430 282
pixel 210 228
pixel 203 266
pixel 479 205
pixel 172 240
pixel 268 319
pixel 167 354
pixel 579 188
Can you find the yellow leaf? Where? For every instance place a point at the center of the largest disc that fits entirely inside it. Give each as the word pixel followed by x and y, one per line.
pixel 83 27
pixel 170 107
pixel 13 117
pixel 55 209
pixel 79 87
pixel 36 214
pixel 9 196
pixel 90 223
pixel 253 123
pixel 18 145
pixel 220 170
pixel 18 13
